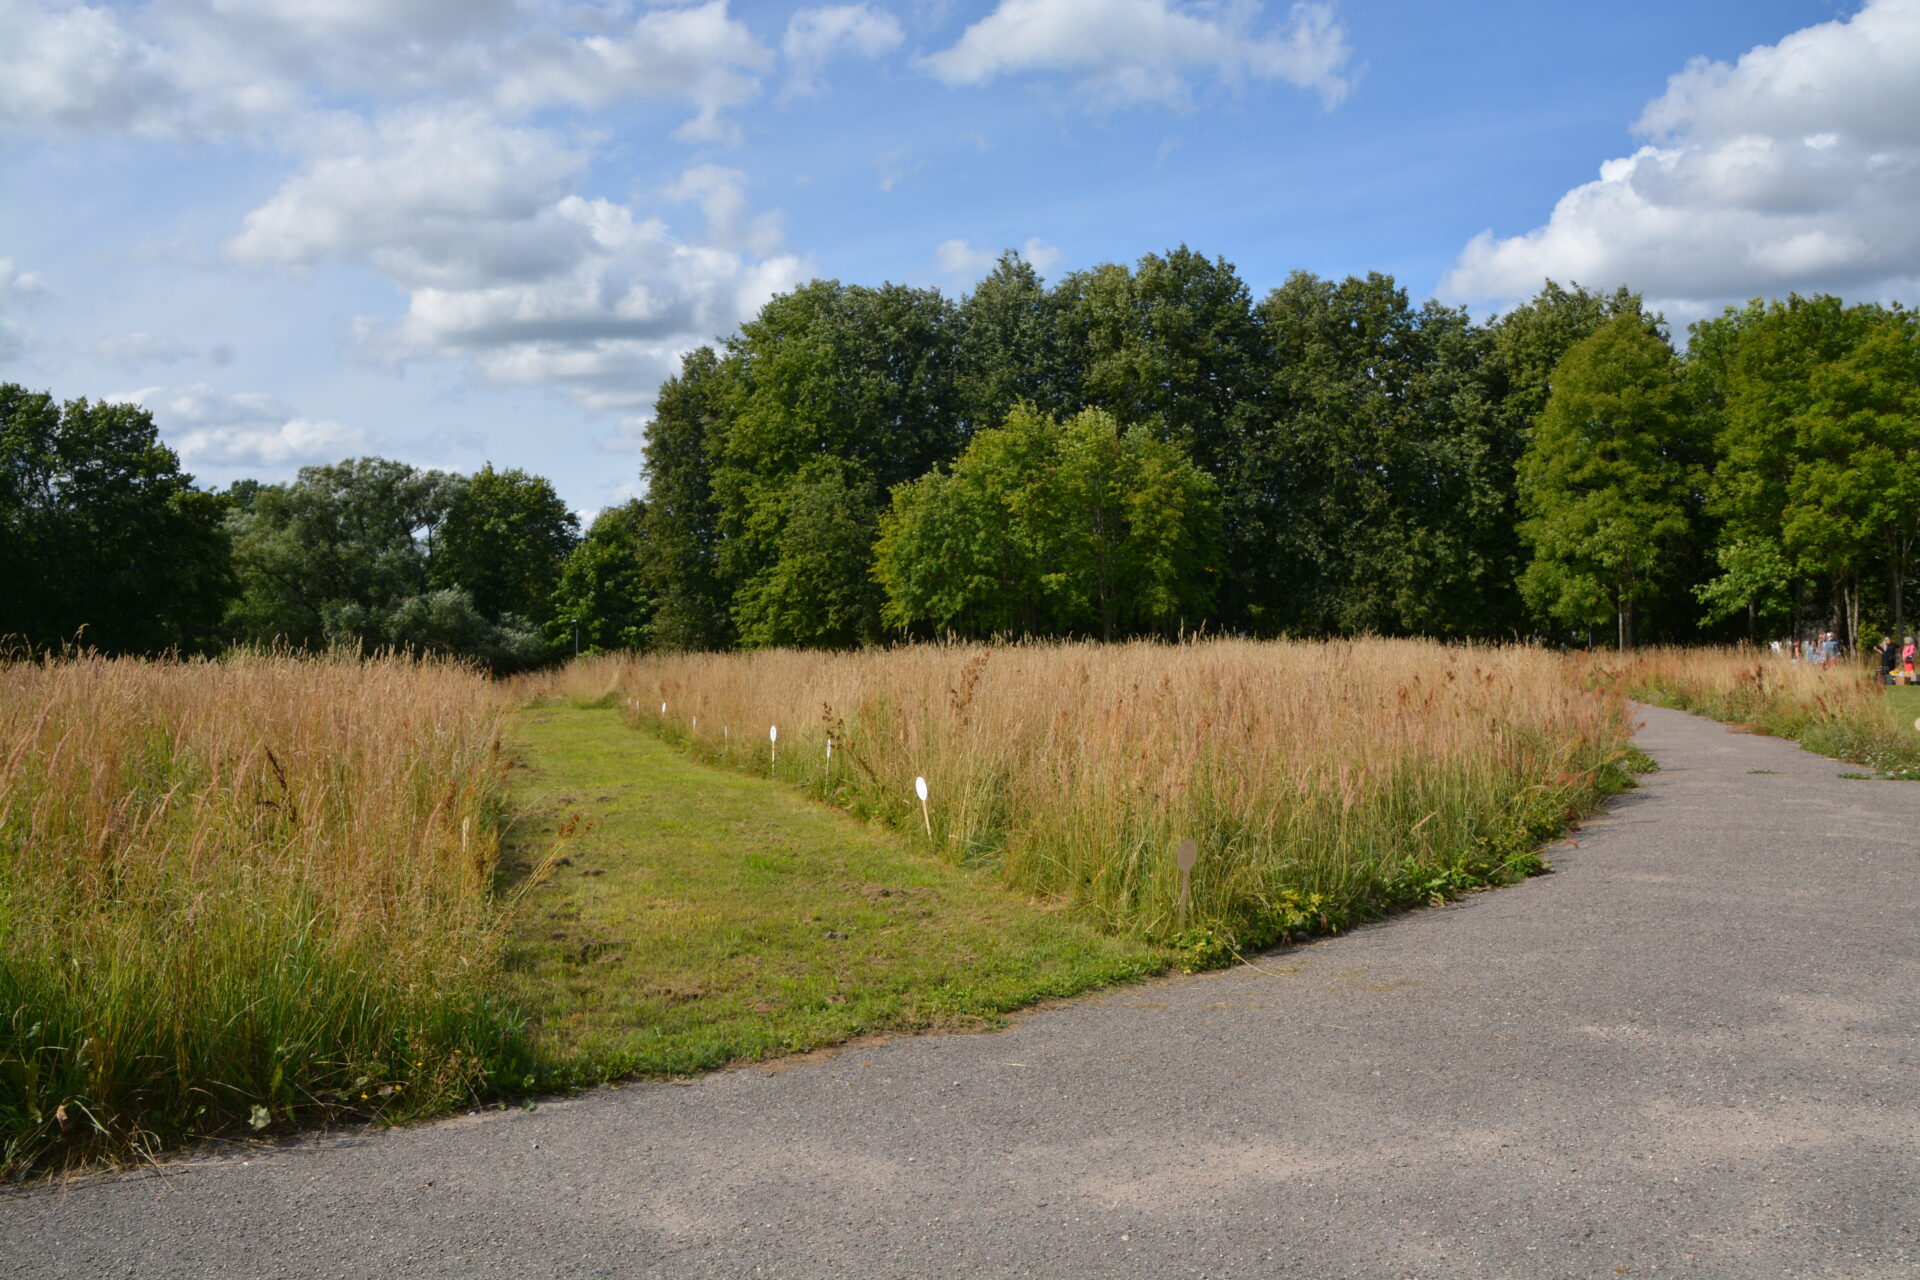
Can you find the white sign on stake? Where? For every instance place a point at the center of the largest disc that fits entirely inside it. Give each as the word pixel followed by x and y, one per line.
pixel 920 789
pixel 773 744
pixel 829 749
pixel 663 708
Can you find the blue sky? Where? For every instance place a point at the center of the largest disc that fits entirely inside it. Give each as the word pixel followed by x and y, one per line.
pixel 459 231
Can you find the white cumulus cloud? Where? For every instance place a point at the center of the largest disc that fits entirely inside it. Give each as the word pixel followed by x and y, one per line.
pixel 697 52
pixel 1796 168
pixel 18 289
pixel 610 326
pixel 220 68
pixel 208 427
pixel 426 197
pixel 721 194
pixel 1138 51
pixel 505 267
pixel 816 36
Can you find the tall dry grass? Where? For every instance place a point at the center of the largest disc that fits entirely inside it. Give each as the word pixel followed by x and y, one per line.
pixel 242 892
pixel 1323 783
pixel 1839 710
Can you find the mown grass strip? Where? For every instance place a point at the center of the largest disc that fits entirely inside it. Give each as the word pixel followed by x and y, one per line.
pixel 1323 785
pixel 701 917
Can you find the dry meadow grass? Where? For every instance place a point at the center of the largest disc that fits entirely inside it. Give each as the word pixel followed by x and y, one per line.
pixel 1839 710
pixel 1322 783
pixel 246 891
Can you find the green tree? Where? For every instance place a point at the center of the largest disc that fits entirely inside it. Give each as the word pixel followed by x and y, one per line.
pixel 1374 496
pixel 692 607
pixel 504 539
pixel 1756 377
pixel 325 559
pixel 841 393
pixel 1009 348
pixel 1172 345
pixel 604 600
pixel 100 530
pixel 1074 528
pixel 1604 482
pixel 817 590
pixel 1854 495
pixel 344 556
pixel 1530 341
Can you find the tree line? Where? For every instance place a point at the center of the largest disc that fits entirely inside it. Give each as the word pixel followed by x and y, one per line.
pixel 1131 451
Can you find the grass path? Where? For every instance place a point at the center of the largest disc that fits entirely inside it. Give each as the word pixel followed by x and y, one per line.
pixel 698 916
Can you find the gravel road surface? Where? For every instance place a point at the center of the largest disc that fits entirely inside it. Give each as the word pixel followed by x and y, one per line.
pixel 1691 1050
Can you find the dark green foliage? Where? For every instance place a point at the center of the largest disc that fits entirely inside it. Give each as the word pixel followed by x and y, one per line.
pixel 346 556
pixel 604 600
pixel 837 394
pixel 1606 479
pixel 1365 457
pixel 1172 345
pixel 103 538
pixel 1374 494
pixel 692 606
pixel 1797 442
pixel 1064 529
pixel 1010 347
pixel 503 541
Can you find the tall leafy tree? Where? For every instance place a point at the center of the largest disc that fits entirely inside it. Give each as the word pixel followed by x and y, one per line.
pixel 1854 496
pixel 841 392
pixel 104 539
pixel 692 607
pixel 345 557
pixel 504 539
pixel 1604 482
pixel 1530 341
pixel 1009 346
pixel 1377 484
pixel 604 600
pixel 818 589
pixel 325 559
pixel 1760 364
pixel 1066 528
pixel 1173 345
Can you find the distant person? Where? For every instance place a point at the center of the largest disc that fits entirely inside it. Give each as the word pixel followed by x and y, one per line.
pixel 1829 650
pixel 1906 662
pixel 1811 654
pixel 1889 658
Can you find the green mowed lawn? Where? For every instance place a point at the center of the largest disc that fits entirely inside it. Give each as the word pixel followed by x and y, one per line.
pixel 1906 700
pixel 697 917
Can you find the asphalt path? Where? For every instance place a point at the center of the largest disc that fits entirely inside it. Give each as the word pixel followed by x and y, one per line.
pixel 1690 1050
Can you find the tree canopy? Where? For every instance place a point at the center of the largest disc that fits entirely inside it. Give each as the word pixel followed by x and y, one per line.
pixel 1129 450
pixel 105 540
